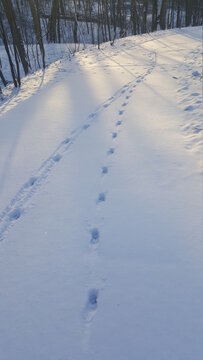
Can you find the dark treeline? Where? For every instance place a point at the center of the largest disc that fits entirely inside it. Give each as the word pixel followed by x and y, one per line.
pixel 27 25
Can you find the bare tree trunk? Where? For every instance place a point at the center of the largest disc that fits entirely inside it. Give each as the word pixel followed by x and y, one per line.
pixel 34 7
pixel 3 78
pixel 113 8
pixel 134 16
pixel 145 8
pixel 4 38
pixel 163 15
pixel 98 25
pixel 107 19
pixel 51 35
pixel 188 12
pixel 154 15
pixel 16 35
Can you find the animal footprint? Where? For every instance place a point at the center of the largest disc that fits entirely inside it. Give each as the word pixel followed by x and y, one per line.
pixel 114 135
pixel 111 151
pixel 189 108
pixel 118 123
pixel 195 94
pixel 91 116
pixel 196 130
pixel 57 157
pixel 94 236
pixel 101 197
pixel 31 182
pixel 66 141
pixel 92 299
pixel 15 214
pixel 105 170
pixel 196 73
pixel 121 112
pixel 124 104
pixel 91 306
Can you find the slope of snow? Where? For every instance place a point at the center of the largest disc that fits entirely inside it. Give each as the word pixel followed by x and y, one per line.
pixel 31 84
pixel 53 53
pixel 101 206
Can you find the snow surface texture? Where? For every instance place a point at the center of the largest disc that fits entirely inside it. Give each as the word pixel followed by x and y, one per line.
pixel 34 81
pixel 101 205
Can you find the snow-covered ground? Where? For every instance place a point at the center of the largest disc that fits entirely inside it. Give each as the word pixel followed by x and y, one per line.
pixel 35 80
pixel 53 53
pixel 101 205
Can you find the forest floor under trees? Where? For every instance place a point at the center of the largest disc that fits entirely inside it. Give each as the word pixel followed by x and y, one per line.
pixel 101 208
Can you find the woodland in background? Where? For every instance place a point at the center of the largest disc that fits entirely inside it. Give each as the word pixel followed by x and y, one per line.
pixel 26 25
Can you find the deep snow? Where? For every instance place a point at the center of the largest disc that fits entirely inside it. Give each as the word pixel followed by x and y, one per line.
pixel 101 205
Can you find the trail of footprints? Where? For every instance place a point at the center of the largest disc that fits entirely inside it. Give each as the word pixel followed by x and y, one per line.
pixel 16 208
pixel 18 205
pixel 95 236
pixel 190 99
